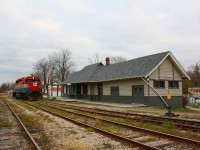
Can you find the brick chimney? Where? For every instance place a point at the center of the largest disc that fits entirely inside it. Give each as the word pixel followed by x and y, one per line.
pixel 107 61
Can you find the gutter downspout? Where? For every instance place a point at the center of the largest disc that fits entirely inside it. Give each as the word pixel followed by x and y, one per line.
pixel 156 92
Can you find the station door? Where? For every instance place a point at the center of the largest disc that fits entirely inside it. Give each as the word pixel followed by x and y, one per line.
pixel 114 92
pixel 137 93
pixel 100 91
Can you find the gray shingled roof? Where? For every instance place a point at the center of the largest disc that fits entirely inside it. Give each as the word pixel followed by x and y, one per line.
pixel 139 67
pixel 85 75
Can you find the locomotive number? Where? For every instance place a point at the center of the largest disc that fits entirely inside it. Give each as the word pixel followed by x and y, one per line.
pixel 35 84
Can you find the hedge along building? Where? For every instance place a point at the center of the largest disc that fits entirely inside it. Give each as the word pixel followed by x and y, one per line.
pixel 144 80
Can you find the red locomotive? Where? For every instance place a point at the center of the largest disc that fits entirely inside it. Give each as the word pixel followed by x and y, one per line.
pixel 28 88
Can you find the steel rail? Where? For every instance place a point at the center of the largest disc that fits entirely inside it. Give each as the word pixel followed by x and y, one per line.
pixel 103 132
pixel 36 146
pixel 186 124
pixel 152 117
pixel 156 133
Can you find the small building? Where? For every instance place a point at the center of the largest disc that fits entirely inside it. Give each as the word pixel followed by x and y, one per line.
pixel 55 90
pixel 194 94
pixel 145 80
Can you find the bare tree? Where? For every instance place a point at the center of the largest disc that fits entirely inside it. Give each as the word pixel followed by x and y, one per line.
pixel 117 59
pixel 194 73
pixel 55 69
pixel 64 65
pixel 52 70
pixel 41 69
pixel 6 87
pixel 185 85
pixel 95 59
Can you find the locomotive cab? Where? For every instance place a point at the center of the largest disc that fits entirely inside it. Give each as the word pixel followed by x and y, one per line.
pixel 33 84
pixel 34 88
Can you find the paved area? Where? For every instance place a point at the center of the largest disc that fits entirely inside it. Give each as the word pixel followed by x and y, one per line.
pixel 102 103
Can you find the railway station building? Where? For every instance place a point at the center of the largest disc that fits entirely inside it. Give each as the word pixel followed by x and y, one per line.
pixel 144 80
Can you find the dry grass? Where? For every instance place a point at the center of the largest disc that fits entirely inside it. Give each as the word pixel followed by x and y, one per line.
pixel 2 108
pixel 44 139
pixel 191 116
pixel 25 105
pixel 87 130
pixel 169 130
pixel 148 139
pixel 74 145
pixel 33 122
pixel 46 117
pixel 5 122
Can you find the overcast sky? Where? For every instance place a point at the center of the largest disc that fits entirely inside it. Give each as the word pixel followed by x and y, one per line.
pixel 32 29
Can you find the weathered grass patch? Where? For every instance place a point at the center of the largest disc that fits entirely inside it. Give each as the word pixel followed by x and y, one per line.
pixel 123 121
pixel 154 127
pixel 89 130
pixel 46 117
pixel 188 110
pixel 25 105
pixel 107 146
pixel 105 126
pixel 194 116
pixel 85 120
pixel 31 122
pixel 75 145
pixel 139 111
pixel 145 140
pixel 4 122
pixel 44 139
pixel 167 125
pixel 71 132
pixel 2 108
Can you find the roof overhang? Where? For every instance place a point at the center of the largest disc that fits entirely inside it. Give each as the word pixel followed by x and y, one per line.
pixel 117 79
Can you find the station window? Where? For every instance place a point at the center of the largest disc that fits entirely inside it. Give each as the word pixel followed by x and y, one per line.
pixel 66 90
pixel 173 84
pixel 114 91
pixel 72 90
pixel 159 84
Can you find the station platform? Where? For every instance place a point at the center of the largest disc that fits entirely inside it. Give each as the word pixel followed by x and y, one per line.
pixel 111 104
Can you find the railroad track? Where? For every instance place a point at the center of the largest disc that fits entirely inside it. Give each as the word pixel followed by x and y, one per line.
pixel 125 133
pixel 180 123
pixel 8 142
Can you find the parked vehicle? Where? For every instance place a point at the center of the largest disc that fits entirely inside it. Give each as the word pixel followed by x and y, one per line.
pixel 28 88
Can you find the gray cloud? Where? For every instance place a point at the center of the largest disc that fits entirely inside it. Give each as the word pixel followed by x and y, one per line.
pixel 30 30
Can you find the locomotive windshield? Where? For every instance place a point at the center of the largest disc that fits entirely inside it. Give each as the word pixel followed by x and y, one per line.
pixel 32 80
